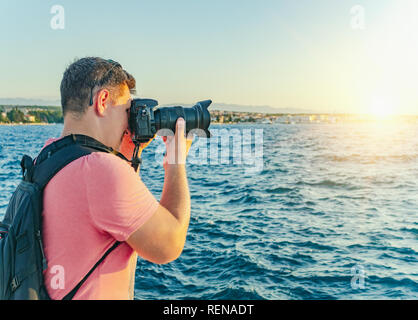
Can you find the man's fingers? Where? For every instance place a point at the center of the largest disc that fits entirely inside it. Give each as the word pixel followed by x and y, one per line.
pixel 180 126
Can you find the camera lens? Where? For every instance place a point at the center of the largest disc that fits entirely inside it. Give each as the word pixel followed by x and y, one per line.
pixel 196 117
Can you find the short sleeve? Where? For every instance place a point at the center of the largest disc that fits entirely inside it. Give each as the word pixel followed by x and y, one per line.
pixel 119 202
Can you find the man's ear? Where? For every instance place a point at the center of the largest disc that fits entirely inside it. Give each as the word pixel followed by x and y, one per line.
pixel 103 97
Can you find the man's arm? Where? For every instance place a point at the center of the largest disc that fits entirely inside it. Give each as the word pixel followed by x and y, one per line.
pixel 161 239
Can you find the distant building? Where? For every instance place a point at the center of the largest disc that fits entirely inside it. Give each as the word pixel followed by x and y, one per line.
pixel 29 118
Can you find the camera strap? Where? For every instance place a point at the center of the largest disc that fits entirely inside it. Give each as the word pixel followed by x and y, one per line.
pixel 136 161
pixel 93 143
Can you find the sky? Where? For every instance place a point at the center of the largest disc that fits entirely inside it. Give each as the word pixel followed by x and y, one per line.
pixel 351 56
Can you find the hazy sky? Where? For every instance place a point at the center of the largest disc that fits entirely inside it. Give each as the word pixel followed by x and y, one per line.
pixel 302 54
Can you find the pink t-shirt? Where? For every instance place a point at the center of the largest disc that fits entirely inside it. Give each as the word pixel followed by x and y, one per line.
pixel 88 205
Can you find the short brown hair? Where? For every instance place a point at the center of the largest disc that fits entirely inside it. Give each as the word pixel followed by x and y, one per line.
pixel 85 74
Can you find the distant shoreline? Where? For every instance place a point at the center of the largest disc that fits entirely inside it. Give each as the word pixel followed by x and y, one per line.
pixel 27 124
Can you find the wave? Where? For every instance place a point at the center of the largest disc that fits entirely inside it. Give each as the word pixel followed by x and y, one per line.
pixel 411 230
pixel 246 198
pixel 308 245
pixel 404 258
pixel 279 190
pixel 234 294
pixel 329 184
pixel 210 183
pixel 393 282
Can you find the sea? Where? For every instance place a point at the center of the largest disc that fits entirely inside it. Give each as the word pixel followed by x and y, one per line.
pixel 330 212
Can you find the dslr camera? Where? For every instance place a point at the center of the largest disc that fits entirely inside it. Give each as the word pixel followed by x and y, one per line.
pixel 145 119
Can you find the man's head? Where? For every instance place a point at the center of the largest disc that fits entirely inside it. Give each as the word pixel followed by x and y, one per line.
pixel 95 93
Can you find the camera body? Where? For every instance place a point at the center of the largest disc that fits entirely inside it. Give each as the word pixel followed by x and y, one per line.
pixel 142 120
pixel 145 121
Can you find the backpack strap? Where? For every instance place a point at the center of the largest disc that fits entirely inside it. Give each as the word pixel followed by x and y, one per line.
pixel 42 173
pixel 63 151
pixel 72 293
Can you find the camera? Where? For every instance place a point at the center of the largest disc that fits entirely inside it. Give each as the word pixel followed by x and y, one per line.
pixel 145 119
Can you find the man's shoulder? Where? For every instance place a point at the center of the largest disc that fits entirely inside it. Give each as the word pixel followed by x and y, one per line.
pixel 97 163
pixel 96 171
pixel 104 161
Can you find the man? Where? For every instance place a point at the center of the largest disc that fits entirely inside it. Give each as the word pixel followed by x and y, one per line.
pixel 99 199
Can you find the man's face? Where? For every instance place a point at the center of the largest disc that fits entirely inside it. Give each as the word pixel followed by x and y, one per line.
pixel 119 114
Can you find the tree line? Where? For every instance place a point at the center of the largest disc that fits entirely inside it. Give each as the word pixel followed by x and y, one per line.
pixel 16 115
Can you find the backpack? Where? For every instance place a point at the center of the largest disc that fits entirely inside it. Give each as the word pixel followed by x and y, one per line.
pixel 22 258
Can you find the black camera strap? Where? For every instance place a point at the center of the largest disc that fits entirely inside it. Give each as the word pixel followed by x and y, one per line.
pixel 136 161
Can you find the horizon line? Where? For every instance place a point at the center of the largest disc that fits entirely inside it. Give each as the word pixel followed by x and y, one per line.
pixel 296 110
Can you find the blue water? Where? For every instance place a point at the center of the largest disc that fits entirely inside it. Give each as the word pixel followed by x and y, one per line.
pixel 330 197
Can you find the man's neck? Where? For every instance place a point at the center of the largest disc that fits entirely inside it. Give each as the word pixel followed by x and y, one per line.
pixel 68 131
pixel 77 126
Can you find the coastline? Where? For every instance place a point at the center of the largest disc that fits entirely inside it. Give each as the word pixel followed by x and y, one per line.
pixel 27 124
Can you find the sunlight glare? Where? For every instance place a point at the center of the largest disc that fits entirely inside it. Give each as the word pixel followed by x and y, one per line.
pixel 382 108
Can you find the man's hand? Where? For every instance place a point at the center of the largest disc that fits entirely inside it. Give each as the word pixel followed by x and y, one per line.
pixel 177 146
pixel 127 146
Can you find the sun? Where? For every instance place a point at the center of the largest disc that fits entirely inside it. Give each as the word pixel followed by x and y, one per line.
pixel 382 107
